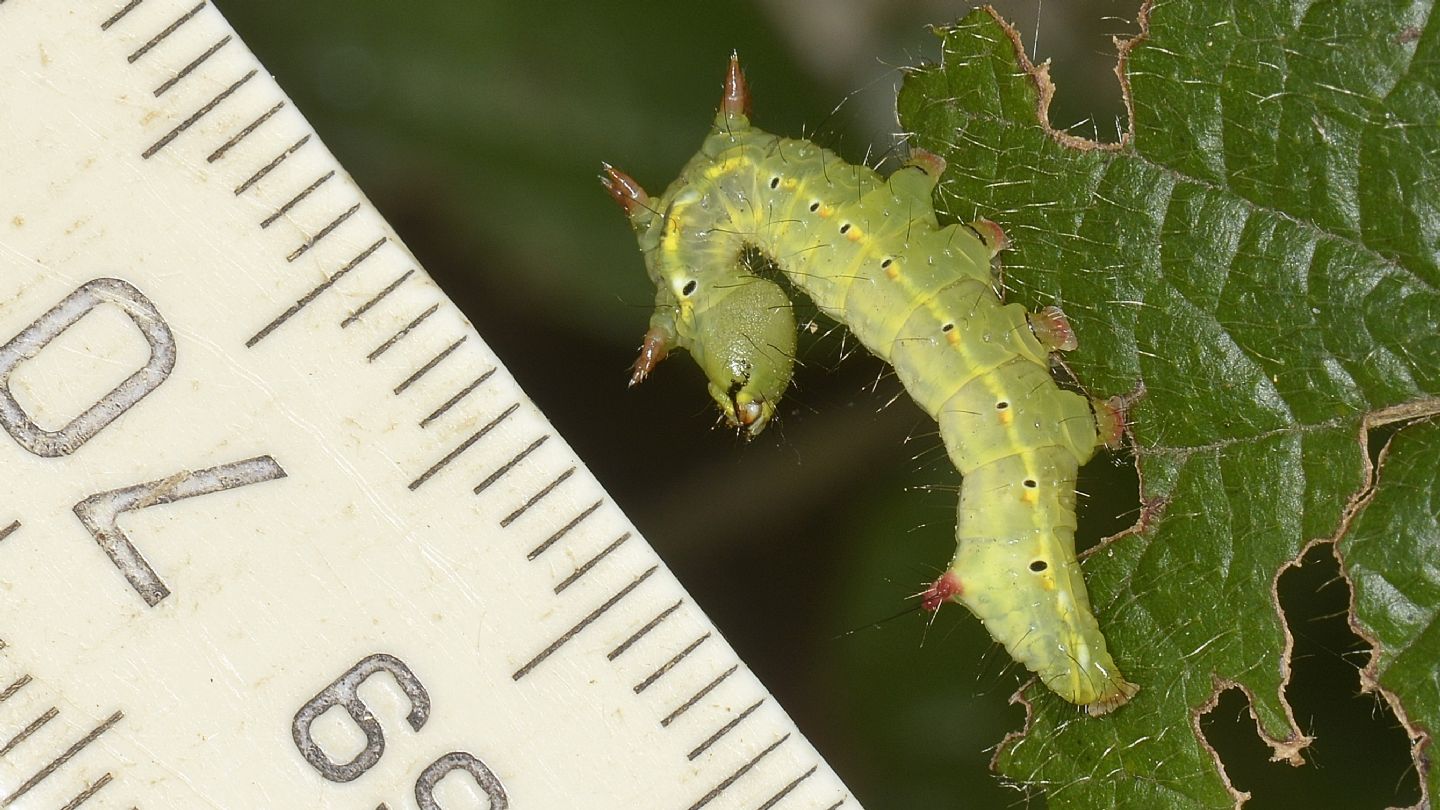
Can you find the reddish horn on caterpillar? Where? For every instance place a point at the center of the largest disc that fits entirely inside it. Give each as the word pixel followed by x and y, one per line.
pixel 736 98
pixel 623 188
pixel 652 350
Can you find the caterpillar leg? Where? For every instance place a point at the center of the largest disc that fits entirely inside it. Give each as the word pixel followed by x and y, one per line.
pixel 931 164
pixel 1112 416
pixel 991 234
pixel 1053 330
pixel 994 240
pixel 915 181
pixel 1040 334
pixel 1109 420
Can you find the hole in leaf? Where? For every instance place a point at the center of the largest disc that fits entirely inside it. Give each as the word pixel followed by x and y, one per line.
pixel 1087 100
pixel 1378 437
pixel 1360 757
pixel 1107 498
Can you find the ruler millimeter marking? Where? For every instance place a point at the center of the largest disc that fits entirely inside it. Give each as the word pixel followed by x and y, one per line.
pixel 278 526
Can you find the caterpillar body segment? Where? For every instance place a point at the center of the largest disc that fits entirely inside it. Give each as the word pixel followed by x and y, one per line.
pixel 869 251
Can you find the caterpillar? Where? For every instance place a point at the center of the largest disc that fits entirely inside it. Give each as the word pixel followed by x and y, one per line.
pixel 870 252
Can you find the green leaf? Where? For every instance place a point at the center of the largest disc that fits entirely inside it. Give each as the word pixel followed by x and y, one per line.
pixel 1260 255
pixel 1392 556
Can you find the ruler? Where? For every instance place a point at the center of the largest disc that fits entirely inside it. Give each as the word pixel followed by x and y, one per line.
pixel 277 528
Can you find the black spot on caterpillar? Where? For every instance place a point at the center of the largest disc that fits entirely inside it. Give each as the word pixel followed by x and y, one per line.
pixel 869 251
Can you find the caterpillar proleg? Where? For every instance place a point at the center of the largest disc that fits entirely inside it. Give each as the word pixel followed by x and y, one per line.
pixel 869 251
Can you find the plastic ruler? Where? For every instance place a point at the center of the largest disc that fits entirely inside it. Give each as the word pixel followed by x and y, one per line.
pixel 277 529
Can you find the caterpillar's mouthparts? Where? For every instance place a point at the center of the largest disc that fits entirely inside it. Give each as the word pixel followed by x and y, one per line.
pixel 748 412
pixel 752 414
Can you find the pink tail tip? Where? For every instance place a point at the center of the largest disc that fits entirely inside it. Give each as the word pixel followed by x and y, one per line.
pixel 941 591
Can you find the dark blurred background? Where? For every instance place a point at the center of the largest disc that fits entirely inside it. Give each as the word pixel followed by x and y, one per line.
pixel 477 128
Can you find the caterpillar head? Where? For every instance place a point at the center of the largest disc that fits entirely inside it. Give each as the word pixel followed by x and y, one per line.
pixel 743 338
pixel 740 329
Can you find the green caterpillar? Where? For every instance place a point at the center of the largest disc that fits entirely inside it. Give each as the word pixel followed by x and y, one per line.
pixel 870 253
